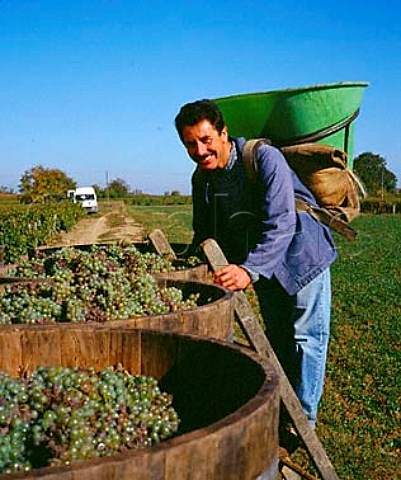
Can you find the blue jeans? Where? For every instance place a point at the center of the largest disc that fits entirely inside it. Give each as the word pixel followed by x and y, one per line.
pixel 298 328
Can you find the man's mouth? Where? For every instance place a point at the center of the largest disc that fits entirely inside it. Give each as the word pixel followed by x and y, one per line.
pixel 203 162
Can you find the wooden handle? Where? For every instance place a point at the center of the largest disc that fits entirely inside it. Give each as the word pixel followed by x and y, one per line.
pixel 258 340
pixel 161 244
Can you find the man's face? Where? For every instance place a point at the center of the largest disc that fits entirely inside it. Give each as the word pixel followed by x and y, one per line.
pixel 209 149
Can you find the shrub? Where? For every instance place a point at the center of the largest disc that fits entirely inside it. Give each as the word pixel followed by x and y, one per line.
pixel 378 205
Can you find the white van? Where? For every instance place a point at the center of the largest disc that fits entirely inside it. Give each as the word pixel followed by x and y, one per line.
pixel 86 196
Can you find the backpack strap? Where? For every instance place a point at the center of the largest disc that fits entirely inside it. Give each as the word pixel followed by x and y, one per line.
pixel 249 159
pixel 328 218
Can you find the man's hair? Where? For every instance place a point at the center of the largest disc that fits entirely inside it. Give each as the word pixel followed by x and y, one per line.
pixel 193 113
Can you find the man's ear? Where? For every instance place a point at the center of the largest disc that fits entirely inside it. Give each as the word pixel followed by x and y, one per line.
pixel 224 132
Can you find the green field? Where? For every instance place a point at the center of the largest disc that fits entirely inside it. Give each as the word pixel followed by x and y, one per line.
pixel 360 415
pixel 175 221
pixel 361 412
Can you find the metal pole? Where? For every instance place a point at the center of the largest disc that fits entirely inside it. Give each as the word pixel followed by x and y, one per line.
pixel 107 186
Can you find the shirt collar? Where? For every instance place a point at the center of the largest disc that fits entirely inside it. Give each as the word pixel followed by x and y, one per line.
pixel 232 158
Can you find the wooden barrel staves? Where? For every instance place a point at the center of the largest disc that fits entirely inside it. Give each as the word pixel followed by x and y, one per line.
pixel 226 397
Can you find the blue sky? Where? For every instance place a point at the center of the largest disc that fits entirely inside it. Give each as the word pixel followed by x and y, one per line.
pixel 92 86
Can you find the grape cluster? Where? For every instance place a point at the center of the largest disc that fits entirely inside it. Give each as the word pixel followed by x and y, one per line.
pixel 103 284
pixel 134 261
pixel 59 415
pixel 15 419
pixel 122 255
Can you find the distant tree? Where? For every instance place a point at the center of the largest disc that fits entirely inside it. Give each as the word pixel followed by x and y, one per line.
pixel 39 184
pixel 100 193
pixel 173 193
pixel 371 169
pixel 4 189
pixel 117 188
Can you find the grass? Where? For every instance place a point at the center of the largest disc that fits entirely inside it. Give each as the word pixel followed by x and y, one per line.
pixel 361 409
pixel 7 202
pixel 360 414
pixel 175 221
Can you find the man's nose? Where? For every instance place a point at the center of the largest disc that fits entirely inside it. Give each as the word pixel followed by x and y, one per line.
pixel 201 149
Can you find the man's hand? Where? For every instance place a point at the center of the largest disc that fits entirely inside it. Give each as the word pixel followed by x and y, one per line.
pixel 232 277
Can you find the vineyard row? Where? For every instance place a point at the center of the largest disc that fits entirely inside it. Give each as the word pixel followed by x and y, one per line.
pixel 23 229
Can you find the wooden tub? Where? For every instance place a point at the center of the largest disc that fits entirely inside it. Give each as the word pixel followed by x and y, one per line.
pixel 213 318
pixel 226 397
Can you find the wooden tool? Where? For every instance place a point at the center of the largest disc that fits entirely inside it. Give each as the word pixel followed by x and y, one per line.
pixel 161 244
pixel 258 340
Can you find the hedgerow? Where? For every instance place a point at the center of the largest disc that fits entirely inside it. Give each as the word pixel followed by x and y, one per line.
pixel 378 205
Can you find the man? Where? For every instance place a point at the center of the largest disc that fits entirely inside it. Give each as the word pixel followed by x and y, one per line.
pixel 285 254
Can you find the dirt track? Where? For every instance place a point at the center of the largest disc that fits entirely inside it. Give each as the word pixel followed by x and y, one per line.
pixel 114 225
